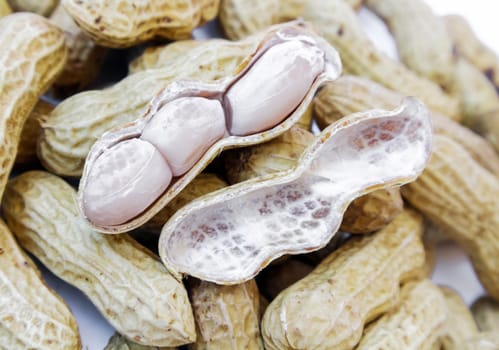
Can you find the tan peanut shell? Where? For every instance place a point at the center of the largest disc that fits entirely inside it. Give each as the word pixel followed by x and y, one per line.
pixel 119 342
pixel 203 184
pixel 459 325
pixel 486 313
pixel 4 8
pixel 32 316
pixel 41 7
pixel 227 317
pixel 240 18
pixel 355 284
pixel 470 47
pixel 26 151
pixel 69 133
pixel 368 213
pixel 482 341
pixel 85 57
pixel 32 53
pixel 415 323
pixel 459 195
pixel 124 23
pixel 422 40
pixel 338 23
pixel 128 285
pixel 350 94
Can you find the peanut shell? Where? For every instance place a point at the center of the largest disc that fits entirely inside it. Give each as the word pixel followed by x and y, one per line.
pixel 486 314
pixel 4 8
pixel 41 7
pixel 119 342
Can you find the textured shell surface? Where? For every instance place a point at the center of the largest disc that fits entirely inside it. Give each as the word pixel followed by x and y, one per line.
pixel 228 236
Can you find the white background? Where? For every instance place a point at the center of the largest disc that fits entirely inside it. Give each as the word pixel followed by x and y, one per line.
pixel 453 268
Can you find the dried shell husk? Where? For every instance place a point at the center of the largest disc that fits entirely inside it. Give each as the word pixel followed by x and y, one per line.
pixel 227 317
pixel 26 151
pixel 184 88
pixel 459 195
pixel 202 184
pixel 421 37
pixel 119 342
pixel 460 324
pixel 41 7
pixel 118 23
pixel 69 133
pixel 355 284
pixel 415 323
pixel 350 94
pixel 126 283
pixel 215 239
pixel 486 313
pixel 40 53
pixel 32 314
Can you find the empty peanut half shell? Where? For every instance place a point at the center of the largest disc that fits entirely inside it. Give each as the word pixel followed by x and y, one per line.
pixel 132 172
pixel 229 235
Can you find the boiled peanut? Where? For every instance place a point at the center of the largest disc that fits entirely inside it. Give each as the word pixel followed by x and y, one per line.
pixel 227 317
pixel 40 51
pixel 31 314
pixel 124 23
pixel 354 285
pixel 128 285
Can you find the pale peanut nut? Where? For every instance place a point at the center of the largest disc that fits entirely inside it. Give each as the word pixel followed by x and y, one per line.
pixel 459 325
pixel 4 8
pixel 203 184
pixel 85 58
pixel 240 18
pixel 68 132
pixel 124 23
pixel 483 341
pixel 31 314
pixel 351 94
pixel 415 323
pixel 469 46
pixel 126 283
pixel 422 40
pixel 119 342
pixel 352 286
pixel 337 22
pixel 274 279
pixel 41 7
pixel 479 101
pixel 486 313
pixel 32 53
pixel 227 317
pixel 459 195
pixel 365 214
pixel 26 151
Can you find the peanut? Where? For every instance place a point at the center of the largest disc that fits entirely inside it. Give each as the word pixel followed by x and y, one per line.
pixel 421 37
pixel 31 314
pixel 41 7
pixel 459 195
pixel 460 324
pixel 415 323
pixel 126 283
pixel 68 133
pixel 352 286
pixel 39 52
pixel 351 94
pixel 124 23
pixel 119 342
pixel 483 341
pixel 470 47
pixel 486 314
pixel 227 317
pixel 4 8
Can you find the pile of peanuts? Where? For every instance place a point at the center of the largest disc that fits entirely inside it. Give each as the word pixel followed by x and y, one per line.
pixel 369 288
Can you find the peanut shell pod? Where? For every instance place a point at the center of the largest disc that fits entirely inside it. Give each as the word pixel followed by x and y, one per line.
pixel 40 53
pixel 31 314
pixel 415 323
pixel 126 283
pixel 227 317
pixel 459 195
pixel 119 342
pixel 486 313
pixel 124 23
pixel 354 285
pixel 4 8
pixel 41 7
pixel 482 341
pixel 205 118
pixel 228 236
